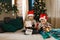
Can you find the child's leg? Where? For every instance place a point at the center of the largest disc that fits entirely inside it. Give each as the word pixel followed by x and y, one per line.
pixel 48 34
pixel 35 31
pixel 44 34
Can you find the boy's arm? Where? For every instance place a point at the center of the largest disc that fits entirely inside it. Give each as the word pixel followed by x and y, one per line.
pixel 39 26
pixel 49 25
pixel 34 24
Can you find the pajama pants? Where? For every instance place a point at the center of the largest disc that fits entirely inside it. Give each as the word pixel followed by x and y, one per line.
pixel 44 34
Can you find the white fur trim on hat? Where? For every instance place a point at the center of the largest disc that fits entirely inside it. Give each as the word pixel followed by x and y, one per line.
pixel 43 18
pixel 30 15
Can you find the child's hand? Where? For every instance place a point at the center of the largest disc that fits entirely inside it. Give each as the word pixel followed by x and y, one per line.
pixel 47 29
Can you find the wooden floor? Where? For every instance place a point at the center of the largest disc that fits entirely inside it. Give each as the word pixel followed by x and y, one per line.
pixel 20 36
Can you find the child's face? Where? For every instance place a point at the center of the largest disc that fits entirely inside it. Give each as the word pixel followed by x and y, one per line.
pixel 31 17
pixel 43 21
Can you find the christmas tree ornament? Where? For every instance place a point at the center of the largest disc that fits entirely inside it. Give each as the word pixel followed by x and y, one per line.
pixel 8 6
pixel 13 14
pixel 37 15
pixel 35 2
pixel 0 4
pixel 40 7
pixel 5 3
pixel 6 11
pixel 39 0
pixel 40 4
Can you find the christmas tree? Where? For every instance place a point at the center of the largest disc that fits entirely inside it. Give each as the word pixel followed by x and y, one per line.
pixel 39 7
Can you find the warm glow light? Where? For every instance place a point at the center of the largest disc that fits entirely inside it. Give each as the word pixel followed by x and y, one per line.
pixel 13 2
pixel 23 8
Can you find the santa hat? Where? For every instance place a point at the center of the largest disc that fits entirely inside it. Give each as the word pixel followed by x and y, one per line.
pixel 31 13
pixel 43 16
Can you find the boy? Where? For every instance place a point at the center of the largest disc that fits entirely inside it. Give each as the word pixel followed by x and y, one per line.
pixel 44 27
pixel 30 23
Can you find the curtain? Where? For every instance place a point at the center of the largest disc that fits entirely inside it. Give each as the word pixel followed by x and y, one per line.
pixel 22 6
pixel 31 4
pixel 53 11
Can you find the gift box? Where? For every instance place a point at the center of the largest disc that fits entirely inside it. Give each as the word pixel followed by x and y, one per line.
pixel 28 31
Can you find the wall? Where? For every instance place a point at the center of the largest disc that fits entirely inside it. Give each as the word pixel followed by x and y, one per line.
pixel 22 6
pixel 23 9
pixel 53 11
pixel 3 15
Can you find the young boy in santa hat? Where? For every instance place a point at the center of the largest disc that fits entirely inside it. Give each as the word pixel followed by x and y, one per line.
pixel 44 27
pixel 30 23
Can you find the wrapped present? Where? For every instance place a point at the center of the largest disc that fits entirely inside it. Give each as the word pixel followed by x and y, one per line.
pixel 28 31
pixel 47 29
